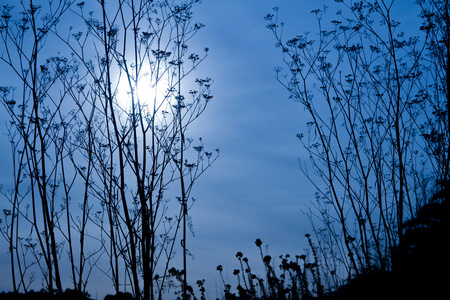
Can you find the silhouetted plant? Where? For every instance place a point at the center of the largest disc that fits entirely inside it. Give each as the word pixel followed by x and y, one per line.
pixel 178 276
pixel 41 217
pixel 291 281
pixel 227 287
pixel 79 128
pixel 378 134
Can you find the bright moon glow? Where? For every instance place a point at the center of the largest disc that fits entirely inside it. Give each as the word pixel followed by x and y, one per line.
pixel 149 93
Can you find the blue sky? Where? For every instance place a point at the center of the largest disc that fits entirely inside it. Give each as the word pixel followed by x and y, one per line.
pixel 255 189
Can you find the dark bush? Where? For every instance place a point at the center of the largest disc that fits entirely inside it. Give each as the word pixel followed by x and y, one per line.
pixel 44 295
pixel 119 296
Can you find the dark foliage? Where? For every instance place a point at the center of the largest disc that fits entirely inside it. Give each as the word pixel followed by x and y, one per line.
pixel 423 261
pixel 420 266
pixel 420 263
pixel 371 285
pixel 119 296
pixel 44 295
pixel 67 295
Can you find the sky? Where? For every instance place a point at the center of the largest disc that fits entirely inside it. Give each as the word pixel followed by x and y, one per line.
pixel 255 189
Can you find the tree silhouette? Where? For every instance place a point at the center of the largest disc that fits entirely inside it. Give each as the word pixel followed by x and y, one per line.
pixel 378 136
pixel 103 166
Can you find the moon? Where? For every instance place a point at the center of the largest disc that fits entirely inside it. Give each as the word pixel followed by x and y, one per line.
pixel 145 90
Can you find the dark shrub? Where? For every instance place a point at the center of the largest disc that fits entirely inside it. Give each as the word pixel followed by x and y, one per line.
pixel 119 296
